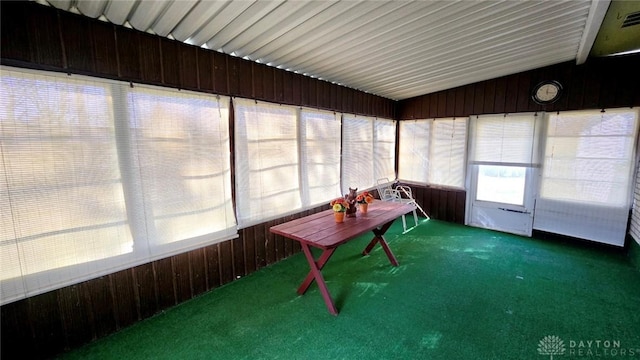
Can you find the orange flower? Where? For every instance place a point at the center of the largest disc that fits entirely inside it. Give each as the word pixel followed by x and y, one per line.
pixel 364 198
pixel 339 205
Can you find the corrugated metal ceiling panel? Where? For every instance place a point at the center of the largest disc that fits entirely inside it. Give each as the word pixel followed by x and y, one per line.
pixel 396 49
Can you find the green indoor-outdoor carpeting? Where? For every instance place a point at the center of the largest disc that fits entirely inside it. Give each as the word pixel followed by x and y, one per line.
pixel 458 293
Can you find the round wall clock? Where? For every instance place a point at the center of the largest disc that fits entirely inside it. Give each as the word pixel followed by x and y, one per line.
pixel 546 92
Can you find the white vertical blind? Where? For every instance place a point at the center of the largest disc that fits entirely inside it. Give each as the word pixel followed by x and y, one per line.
pixel 368 151
pixel 384 148
pixel 508 139
pixel 88 184
pixel 320 155
pixel 357 152
pixel 266 161
pixel 587 174
pixel 413 154
pixel 181 142
pixel 432 151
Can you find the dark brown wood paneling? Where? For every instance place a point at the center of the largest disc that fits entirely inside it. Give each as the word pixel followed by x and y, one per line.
pixel 212 261
pixel 287 87
pixel 146 290
pixel 511 94
pixel 166 283
pixel 73 314
pixel 150 59
pixel 245 79
pixel 205 70
pixel 489 96
pixel 17 339
pixel 237 250
pixel 261 246
pixel 524 91
pixel 258 80
pixel 14 32
pixel 451 103
pixel 44 37
pixel 500 95
pixel 126 311
pixel 78 43
pixel 460 110
pixel 268 84
pixel 46 324
pixel 188 67
pixel 128 53
pixel 103 46
pixel 99 297
pixel 469 99
pixel 249 243
pixel 296 89
pixel 312 98
pixel 197 271
pixel 182 277
pixel 478 98
pixel 442 104
pixel 226 262
pixel 278 82
pixel 233 75
pixel 461 198
pixel 220 82
pixel 171 65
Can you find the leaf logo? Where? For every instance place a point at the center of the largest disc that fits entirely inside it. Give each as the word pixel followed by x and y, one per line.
pixel 551 345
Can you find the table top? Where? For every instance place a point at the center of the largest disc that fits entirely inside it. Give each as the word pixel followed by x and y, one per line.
pixel 320 229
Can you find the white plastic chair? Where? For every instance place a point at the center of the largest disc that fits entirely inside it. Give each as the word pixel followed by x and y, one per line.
pixel 401 194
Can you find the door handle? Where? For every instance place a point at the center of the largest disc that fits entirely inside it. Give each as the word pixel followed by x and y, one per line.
pixel 515 211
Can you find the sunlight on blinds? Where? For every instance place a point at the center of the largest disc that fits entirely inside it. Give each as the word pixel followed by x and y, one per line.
pixel 266 161
pixel 448 147
pixel 413 157
pixel 587 175
pixel 357 152
pixel 182 146
pixel 320 162
pixel 432 151
pixel 62 197
pixel 384 149
pixel 97 176
pixel 505 139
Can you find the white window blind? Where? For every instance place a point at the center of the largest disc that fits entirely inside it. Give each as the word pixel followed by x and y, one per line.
pixel 384 149
pixel 587 174
pixel 266 161
pixel 320 156
pixel 634 229
pixel 73 199
pixel 181 146
pixel 413 154
pixel 509 139
pixel 433 151
pixel 368 151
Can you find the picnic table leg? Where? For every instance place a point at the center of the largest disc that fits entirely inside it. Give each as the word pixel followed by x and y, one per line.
pixel 379 238
pixel 317 275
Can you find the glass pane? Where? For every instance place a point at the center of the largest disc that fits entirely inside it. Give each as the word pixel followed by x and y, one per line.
pixel 501 184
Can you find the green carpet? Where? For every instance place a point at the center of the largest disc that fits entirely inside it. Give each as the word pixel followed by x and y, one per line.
pixel 459 293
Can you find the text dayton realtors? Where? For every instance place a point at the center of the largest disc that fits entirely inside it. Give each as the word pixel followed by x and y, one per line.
pixel 600 348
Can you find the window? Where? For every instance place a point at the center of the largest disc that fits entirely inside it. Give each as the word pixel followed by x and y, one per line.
pixel 433 151
pixel 287 159
pixel 587 174
pixel 368 151
pixel 98 177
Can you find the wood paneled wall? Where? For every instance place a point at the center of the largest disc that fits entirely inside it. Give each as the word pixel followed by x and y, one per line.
pixel 599 83
pixel 40 37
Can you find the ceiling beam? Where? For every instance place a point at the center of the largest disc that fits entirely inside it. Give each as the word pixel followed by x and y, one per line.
pixel 596 14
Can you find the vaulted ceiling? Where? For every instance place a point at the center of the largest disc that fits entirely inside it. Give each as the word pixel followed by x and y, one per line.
pixel 396 49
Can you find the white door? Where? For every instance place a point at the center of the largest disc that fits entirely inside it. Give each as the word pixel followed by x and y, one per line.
pixel 502 197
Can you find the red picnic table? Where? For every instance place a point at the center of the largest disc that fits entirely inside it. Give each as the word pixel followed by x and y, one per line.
pixel 321 231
